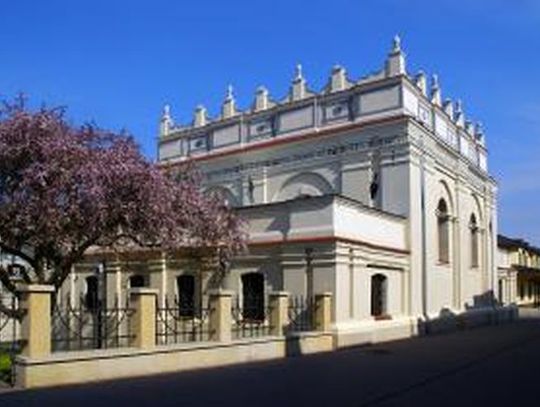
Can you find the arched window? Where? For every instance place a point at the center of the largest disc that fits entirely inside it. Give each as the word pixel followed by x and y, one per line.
pixel 91 298
pixel 473 227
pixel 378 295
pixel 137 280
pixel 186 295
pixel 443 231
pixel 253 296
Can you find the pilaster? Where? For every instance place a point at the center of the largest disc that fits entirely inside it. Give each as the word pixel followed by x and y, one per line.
pixel 36 322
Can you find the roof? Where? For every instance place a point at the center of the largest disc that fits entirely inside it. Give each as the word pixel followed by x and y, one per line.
pixel 516 243
pixel 322 198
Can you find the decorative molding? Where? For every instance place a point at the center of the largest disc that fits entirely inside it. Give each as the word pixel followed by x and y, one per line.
pixel 337 149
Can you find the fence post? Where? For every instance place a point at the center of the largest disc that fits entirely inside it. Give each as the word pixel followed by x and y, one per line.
pixel 143 301
pixel 279 315
pixel 323 311
pixel 220 302
pixel 36 322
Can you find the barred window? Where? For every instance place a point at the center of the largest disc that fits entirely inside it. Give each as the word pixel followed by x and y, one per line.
pixel 253 296
pixel 91 298
pixel 186 295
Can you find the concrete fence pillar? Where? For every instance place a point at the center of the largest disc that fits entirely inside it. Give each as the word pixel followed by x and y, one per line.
pixel 220 302
pixel 36 323
pixel 279 312
pixel 323 311
pixel 143 301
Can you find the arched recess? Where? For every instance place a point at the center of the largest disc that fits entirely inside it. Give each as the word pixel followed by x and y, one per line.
pixel 474 241
pixel 443 231
pixel 446 194
pixel 225 193
pixel 443 213
pixel 475 222
pixel 478 209
pixel 304 184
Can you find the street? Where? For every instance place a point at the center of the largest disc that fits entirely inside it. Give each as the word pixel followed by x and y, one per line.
pixel 489 366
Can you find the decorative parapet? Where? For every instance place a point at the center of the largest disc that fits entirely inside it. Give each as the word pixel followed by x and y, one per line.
pixel 389 92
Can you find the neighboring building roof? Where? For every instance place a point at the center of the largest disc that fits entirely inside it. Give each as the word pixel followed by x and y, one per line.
pixel 506 242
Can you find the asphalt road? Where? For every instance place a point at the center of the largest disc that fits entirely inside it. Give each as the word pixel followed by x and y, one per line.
pixel 491 366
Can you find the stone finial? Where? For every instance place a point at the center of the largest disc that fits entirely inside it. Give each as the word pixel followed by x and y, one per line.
pixel 298 75
pixel 435 91
pixel 479 132
pixel 230 95
pixel 298 89
pixel 166 122
pixel 201 116
pixel 228 109
pixel 448 108
pixel 261 99
pixel 395 64
pixel 469 127
pixel 396 44
pixel 421 82
pixel 459 116
pixel 339 79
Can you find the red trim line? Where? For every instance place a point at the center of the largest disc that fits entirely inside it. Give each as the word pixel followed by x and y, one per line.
pixel 328 239
pixel 293 139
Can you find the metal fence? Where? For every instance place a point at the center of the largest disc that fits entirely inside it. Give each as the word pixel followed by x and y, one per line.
pixel 90 326
pixel 301 313
pixel 10 339
pixel 178 323
pixel 250 321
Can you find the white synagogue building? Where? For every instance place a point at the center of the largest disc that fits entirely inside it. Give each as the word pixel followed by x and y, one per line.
pixel 375 189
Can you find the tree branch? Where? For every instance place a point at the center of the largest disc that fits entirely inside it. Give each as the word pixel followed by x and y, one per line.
pixel 6 281
pixel 16 313
pixel 19 253
pixel 64 268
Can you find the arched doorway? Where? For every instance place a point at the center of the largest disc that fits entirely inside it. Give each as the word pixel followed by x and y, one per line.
pixel 378 295
pixel 253 296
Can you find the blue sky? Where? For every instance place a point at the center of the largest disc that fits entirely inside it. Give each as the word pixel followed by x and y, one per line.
pixel 118 62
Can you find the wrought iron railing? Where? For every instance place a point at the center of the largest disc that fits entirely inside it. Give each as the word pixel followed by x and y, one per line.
pixel 301 313
pixel 80 327
pixel 178 323
pixel 11 342
pixel 250 321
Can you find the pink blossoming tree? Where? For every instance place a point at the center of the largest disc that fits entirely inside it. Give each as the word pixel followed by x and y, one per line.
pixel 64 189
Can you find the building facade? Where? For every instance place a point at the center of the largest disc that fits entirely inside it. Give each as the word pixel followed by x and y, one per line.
pixel 411 222
pixel 518 272
pixel 376 190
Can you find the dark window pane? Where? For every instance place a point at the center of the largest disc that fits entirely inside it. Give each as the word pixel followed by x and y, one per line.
pixel 253 296
pixel 186 295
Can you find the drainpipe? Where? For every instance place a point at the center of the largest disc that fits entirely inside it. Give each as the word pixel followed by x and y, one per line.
pixel 424 235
